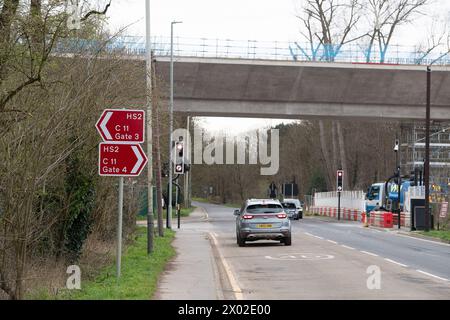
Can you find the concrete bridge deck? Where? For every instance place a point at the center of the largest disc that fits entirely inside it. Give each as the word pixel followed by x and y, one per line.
pixel 290 89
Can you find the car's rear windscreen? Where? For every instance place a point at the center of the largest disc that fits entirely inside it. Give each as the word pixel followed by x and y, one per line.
pixel 264 208
pixel 289 205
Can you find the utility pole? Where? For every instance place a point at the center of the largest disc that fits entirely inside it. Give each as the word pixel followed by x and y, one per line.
pixel 427 151
pixel 150 224
pixel 186 175
pixel 169 205
pixel 158 166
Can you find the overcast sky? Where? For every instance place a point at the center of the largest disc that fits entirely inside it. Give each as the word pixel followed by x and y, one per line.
pixel 262 20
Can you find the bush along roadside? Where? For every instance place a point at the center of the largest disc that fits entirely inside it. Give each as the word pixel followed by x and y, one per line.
pixel 140 272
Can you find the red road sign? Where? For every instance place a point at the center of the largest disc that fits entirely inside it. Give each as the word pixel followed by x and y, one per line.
pixel 122 125
pixel 119 159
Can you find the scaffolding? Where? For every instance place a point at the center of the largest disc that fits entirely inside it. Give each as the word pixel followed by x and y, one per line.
pixel 413 150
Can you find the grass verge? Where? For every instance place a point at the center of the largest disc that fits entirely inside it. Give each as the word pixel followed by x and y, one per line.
pixel 441 234
pixel 140 272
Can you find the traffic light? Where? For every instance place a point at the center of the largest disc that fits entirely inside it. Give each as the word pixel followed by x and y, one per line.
pixel 179 158
pixel 340 180
pixel 414 177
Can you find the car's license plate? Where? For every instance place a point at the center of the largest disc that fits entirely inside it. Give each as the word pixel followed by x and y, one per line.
pixel 264 226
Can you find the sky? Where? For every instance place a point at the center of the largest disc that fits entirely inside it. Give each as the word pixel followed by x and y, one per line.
pixel 261 20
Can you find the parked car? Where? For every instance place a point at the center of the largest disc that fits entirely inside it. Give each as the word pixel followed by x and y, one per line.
pixel 262 219
pixel 298 205
pixel 291 210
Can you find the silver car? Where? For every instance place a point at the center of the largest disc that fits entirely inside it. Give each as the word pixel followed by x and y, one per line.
pixel 262 219
pixel 291 210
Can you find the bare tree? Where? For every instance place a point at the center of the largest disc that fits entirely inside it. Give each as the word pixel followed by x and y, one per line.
pixel 384 18
pixel 436 45
pixel 27 38
pixel 330 24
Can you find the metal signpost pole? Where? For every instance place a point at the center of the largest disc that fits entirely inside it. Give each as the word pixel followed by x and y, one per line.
pixel 119 228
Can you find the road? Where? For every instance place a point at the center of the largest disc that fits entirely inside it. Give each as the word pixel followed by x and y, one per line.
pixel 327 260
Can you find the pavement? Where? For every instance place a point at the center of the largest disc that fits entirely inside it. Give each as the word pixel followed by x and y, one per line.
pixel 192 274
pixel 327 260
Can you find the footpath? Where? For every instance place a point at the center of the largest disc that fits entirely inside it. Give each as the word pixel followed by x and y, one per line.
pixel 192 274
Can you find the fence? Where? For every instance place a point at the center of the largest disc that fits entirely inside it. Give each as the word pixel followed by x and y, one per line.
pixel 354 200
pixel 252 49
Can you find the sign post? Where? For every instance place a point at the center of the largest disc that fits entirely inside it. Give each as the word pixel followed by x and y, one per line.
pixel 119 228
pixel 121 155
pixel 340 188
pixel 443 212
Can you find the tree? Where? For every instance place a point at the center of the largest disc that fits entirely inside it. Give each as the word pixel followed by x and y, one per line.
pixel 436 44
pixel 28 36
pixel 384 17
pixel 329 25
pixel 46 188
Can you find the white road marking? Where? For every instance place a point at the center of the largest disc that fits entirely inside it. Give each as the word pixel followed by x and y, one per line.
pixel 234 285
pixel 370 253
pixel 351 248
pixel 318 237
pixel 432 275
pixel 332 241
pixel 426 240
pixel 395 262
pixel 309 234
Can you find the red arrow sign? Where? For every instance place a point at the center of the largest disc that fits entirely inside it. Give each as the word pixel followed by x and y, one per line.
pixel 122 125
pixel 117 159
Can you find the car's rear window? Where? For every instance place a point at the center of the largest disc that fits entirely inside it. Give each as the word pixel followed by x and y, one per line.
pixel 289 205
pixel 264 208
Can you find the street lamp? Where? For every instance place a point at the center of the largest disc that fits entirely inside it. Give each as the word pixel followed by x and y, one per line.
pixel 426 168
pixel 149 130
pixel 169 205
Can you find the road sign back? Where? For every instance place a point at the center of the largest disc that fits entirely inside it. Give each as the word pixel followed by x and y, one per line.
pixel 121 160
pixel 122 125
pixel 444 209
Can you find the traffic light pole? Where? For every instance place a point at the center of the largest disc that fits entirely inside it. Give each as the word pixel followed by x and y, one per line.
pixel 169 192
pixel 399 210
pixel 339 205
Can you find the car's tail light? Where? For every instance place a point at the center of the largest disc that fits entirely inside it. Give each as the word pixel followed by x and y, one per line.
pixel 247 216
pixel 282 215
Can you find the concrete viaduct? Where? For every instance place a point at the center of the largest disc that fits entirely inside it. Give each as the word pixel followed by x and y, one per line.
pixel 289 89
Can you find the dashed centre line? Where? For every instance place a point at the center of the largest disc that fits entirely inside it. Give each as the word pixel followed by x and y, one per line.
pixel 369 253
pixel 386 259
pixel 432 275
pixel 395 262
